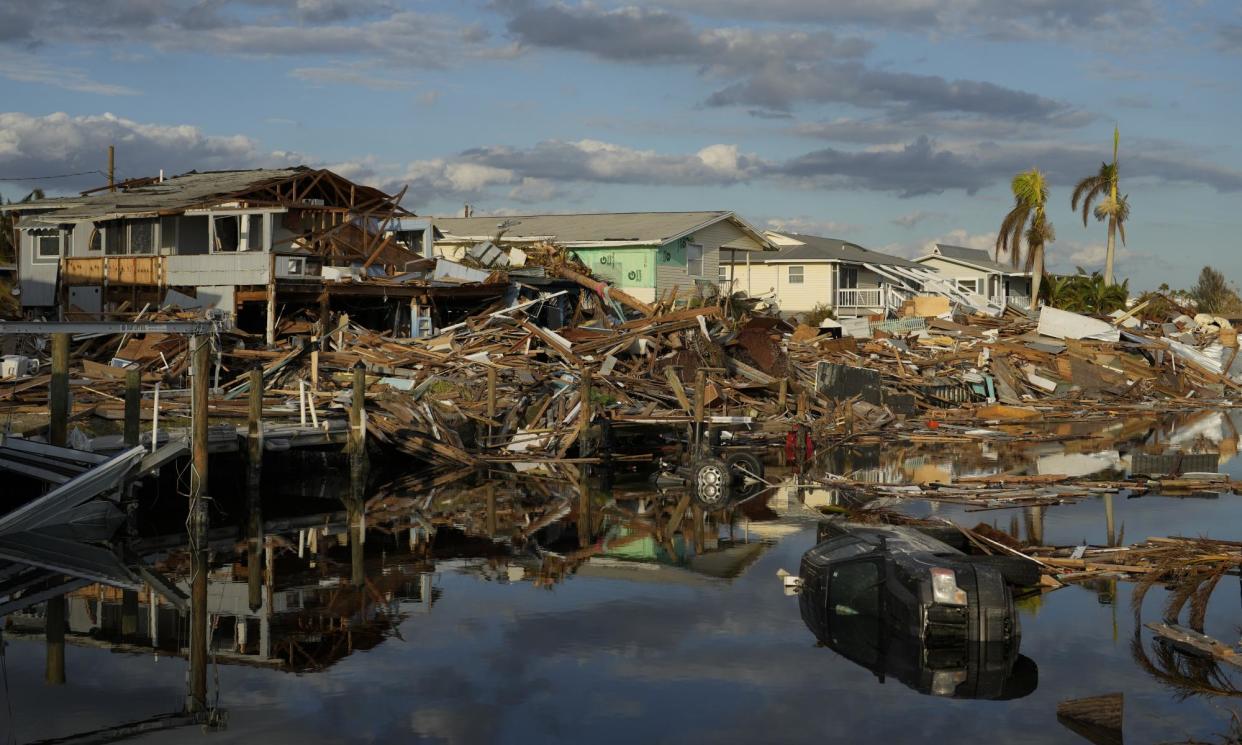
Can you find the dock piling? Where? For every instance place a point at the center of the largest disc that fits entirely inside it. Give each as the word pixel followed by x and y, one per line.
pixel 133 406
pixel 197 702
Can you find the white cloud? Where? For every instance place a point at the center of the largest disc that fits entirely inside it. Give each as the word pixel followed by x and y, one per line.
pixel 809 226
pixel 354 74
pixel 60 143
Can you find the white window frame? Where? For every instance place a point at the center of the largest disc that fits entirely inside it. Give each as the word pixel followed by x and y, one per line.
pixel 973 288
pixel 37 237
pixel 701 260
pixel 801 276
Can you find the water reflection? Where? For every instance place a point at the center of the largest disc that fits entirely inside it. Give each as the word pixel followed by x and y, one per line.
pixel 491 609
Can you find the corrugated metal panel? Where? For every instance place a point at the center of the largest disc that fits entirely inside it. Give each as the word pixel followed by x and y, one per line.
pixel 245 268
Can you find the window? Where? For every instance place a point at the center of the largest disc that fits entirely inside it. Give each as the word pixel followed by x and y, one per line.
pixel 96 242
pixel 116 238
pixel 854 589
pixel 849 277
pixel 694 260
pixel 227 232
pixel 854 609
pixel 796 274
pixel 47 245
pixel 168 234
pixel 254 233
pixel 968 285
pixel 142 237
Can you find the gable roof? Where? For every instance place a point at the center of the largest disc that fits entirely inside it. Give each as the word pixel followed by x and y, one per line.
pixel 149 197
pixel 632 228
pixel 795 247
pixel 976 257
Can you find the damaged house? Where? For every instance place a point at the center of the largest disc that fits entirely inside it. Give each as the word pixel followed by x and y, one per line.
pixel 645 254
pixel 256 245
pixel 809 270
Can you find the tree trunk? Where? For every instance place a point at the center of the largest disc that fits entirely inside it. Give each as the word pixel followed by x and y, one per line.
pixel 1108 254
pixel 1037 275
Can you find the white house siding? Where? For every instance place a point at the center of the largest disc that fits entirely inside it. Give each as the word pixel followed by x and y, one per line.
pixel 711 238
pixel 761 279
pixel 953 270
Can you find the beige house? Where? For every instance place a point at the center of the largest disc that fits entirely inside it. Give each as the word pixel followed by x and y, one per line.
pixel 810 270
pixel 974 272
pixel 647 254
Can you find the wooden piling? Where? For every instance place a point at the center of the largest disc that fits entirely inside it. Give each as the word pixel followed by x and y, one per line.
pixel 270 329
pixel 700 396
pixel 586 446
pixel 54 632
pixel 58 434
pixel 133 407
pixel 58 403
pixel 491 402
pixel 357 443
pixel 783 395
pixel 197 701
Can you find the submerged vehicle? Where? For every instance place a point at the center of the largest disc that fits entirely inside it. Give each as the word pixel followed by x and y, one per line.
pixel 902 602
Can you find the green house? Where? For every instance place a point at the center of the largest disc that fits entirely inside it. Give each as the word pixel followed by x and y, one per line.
pixel 647 254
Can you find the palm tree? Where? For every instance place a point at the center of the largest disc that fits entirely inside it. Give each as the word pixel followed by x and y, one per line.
pixel 1113 208
pixel 1030 198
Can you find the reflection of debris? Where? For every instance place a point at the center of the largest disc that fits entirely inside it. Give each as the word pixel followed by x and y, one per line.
pixel 1097 718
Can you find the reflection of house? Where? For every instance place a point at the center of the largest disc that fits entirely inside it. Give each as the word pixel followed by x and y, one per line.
pixel 226 240
pixel 646 254
pixel 974 271
pixel 809 270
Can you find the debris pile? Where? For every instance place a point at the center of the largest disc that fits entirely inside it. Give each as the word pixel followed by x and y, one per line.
pixel 536 374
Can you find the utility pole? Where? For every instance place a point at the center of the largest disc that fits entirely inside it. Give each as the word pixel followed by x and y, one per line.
pixel 111 168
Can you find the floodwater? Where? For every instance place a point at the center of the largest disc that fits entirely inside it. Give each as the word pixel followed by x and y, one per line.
pixel 520 610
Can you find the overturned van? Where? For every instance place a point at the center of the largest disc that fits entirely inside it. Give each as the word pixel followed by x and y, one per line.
pixel 904 603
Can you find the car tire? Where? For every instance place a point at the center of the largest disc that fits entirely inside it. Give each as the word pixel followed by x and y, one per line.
pixel 1015 571
pixel 744 487
pixel 711 482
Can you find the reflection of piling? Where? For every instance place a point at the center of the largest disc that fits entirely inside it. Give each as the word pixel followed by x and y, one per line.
pixel 357 449
pixel 197 702
pixel 129 614
pixel 133 406
pixel 1035 525
pixel 254 497
pixel 1110 520
pixel 490 491
pixel 54 630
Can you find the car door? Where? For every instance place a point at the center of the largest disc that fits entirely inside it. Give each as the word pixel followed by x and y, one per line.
pixel 855 609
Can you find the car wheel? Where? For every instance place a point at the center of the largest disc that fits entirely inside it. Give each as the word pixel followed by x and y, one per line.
pixel 712 482
pixel 741 466
pixel 1015 571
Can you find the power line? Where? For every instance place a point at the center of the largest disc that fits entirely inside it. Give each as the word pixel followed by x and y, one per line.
pixel 46 178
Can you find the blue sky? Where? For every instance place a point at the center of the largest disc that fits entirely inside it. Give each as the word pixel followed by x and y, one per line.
pixel 894 124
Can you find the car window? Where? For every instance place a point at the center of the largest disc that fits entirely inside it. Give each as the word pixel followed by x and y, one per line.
pixel 854 621
pixel 854 589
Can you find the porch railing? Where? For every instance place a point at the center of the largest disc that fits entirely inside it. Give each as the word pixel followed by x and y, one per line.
pixel 860 297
